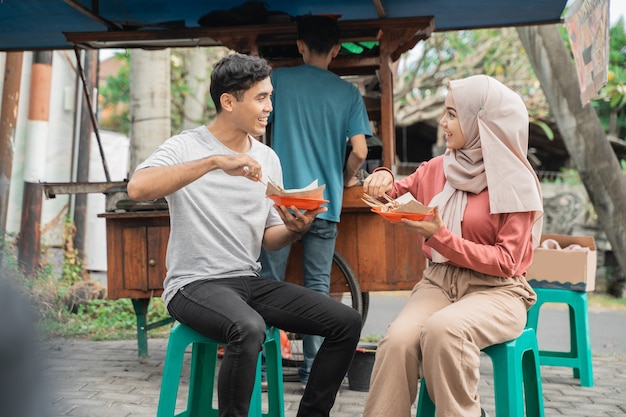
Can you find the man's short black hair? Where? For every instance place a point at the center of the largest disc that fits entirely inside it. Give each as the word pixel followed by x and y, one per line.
pixel 235 74
pixel 319 33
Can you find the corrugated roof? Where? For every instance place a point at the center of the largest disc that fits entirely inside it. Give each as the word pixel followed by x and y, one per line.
pixel 42 24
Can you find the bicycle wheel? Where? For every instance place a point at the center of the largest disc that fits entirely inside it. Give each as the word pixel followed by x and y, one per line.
pixel 344 288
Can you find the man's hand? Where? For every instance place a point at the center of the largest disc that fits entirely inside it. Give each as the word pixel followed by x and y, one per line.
pixel 241 164
pixel 297 221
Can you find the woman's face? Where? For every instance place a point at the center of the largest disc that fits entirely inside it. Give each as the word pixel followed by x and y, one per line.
pixel 455 139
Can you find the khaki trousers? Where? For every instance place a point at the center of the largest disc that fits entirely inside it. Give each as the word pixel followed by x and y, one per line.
pixel 451 315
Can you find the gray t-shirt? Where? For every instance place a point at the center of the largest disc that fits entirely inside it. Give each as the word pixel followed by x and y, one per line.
pixel 216 222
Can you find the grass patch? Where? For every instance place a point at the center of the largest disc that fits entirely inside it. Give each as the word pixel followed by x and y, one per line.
pixel 60 305
pixel 606 302
pixel 102 320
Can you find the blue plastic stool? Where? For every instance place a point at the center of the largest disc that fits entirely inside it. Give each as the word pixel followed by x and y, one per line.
pixel 515 366
pixel 202 376
pixel 579 356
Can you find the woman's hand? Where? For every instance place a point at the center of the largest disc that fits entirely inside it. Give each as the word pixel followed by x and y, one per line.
pixel 426 227
pixel 378 183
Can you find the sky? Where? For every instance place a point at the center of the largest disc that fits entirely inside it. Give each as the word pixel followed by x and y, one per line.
pixel 617 8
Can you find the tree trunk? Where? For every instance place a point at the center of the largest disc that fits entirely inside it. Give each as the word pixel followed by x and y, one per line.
pixel 198 83
pixel 149 102
pixel 582 133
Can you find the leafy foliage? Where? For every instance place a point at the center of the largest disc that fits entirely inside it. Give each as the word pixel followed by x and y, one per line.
pixel 114 98
pixel 610 105
pixel 46 291
pixel 425 71
pixel 115 93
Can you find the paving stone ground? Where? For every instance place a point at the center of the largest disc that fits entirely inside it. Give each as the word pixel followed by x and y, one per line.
pixel 106 379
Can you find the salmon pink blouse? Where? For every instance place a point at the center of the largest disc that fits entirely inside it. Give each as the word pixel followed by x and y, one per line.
pixel 493 244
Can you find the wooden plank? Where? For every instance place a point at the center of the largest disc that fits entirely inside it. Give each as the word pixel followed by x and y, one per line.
pixel 157 236
pixel 115 257
pixel 135 254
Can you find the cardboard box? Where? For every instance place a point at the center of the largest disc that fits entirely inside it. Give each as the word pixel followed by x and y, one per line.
pixel 566 269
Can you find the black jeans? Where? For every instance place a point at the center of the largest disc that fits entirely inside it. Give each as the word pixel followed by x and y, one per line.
pixel 236 310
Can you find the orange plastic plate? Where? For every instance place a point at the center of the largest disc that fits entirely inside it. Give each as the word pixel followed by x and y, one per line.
pixel 301 203
pixel 395 216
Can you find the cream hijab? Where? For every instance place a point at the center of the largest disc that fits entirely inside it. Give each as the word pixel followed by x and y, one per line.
pixel 494 120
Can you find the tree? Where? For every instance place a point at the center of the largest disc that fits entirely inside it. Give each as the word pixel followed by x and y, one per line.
pixel 419 91
pixel 149 102
pixel 611 103
pixel 189 75
pixel 583 135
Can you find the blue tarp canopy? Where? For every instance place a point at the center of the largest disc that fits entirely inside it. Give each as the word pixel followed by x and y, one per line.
pixel 48 24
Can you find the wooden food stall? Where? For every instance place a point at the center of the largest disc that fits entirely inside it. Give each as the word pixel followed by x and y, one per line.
pixel 383 256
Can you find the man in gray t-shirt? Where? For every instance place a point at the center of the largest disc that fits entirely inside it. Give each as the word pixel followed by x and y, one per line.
pixel 219 220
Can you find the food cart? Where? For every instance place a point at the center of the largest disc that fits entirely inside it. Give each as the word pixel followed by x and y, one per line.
pixel 382 256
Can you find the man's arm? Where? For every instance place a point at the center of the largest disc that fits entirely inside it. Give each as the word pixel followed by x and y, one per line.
pixel 158 181
pixel 355 159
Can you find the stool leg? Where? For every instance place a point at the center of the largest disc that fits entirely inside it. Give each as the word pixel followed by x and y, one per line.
pixel 202 380
pixel 425 406
pixel 170 380
pixel 256 401
pixel 507 379
pixel 579 356
pixel 274 366
pixel 581 344
pixel 533 389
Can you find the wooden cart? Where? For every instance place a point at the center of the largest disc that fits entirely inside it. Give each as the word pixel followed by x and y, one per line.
pixel 383 256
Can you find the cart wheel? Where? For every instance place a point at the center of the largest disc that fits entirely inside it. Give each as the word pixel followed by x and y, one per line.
pixel 366 306
pixel 342 276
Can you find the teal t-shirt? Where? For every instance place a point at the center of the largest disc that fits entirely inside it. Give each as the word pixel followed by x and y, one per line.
pixel 315 113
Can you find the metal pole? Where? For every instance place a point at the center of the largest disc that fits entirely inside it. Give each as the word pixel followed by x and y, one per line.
pixel 8 120
pixel 29 242
pixel 84 149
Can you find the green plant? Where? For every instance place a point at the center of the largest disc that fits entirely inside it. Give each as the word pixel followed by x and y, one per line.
pixel 96 319
pixel 371 338
pixel 72 269
pixel 567 176
pixel 605 301
pixel 103 320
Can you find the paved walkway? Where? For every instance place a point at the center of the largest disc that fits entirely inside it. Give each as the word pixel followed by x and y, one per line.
pixel 105 379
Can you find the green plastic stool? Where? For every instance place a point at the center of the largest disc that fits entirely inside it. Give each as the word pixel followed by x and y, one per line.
pixel 515 366
pixel 579 356
pixel 202 375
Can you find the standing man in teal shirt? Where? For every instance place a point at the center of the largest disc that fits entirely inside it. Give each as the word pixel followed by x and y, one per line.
pixel 315 114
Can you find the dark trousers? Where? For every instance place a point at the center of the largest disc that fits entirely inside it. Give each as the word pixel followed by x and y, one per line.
pixel 235 311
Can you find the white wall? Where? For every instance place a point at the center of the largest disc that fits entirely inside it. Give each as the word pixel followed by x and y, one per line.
pixel 116 150
pixel 60 159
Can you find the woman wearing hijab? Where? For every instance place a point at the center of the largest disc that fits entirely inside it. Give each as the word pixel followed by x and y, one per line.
pixel 479 241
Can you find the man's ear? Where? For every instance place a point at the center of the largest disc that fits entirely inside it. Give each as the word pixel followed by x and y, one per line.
pixel 226 100
pixel 301 46
pixel 335 50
